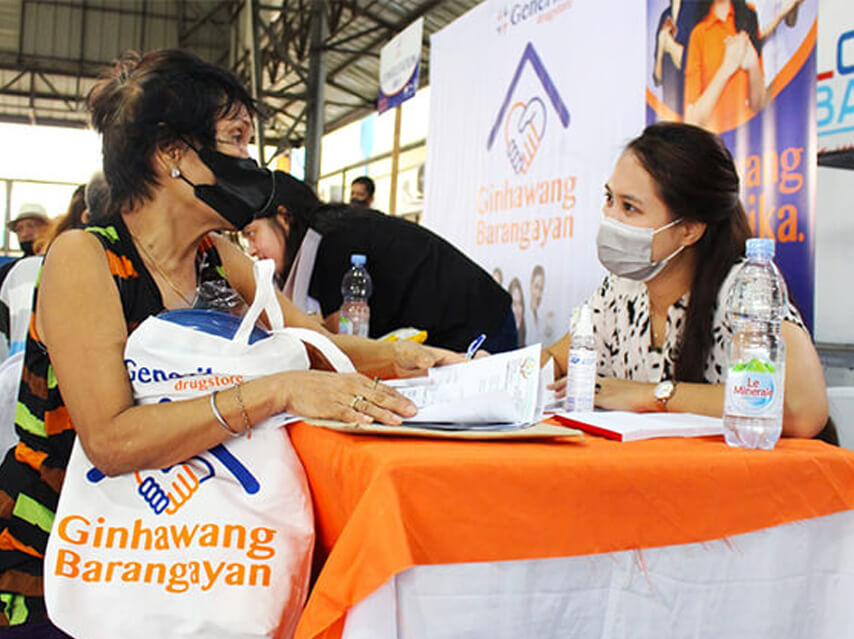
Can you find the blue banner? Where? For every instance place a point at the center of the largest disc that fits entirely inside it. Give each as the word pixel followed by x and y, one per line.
pixel 772 139
pixel 386 102
pixel 400 64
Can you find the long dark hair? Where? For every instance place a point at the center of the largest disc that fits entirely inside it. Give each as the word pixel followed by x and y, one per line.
pixel 73 218
pixel 745 19
pixel 696 179
pixel 303 210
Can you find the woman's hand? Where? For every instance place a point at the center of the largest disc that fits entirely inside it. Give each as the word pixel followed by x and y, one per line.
pixel 624 394
pixel 559 387
pixel 616 394
pixel 750 59
pixel 667 36
pixel 411 359
pixel 734 51
pixel 346 397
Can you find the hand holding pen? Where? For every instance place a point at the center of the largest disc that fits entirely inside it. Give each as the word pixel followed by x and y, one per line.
pixel 476 343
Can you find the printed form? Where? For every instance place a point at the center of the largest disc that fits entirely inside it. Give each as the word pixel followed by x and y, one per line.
pixel 496 392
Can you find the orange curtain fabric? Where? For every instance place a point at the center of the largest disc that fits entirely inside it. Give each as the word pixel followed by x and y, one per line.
pixel 383 505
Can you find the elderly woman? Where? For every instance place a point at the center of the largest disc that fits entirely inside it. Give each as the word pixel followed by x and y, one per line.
pixel 175 153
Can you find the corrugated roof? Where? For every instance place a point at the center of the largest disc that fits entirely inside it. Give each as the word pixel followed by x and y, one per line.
pixel 52 50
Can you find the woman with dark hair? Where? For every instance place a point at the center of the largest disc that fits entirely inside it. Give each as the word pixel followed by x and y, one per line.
pixel 724 80
pixel 672 235
pixel 175 133
pixel 674 28
pixel 419 279
pixel 517 304
pixel 74 218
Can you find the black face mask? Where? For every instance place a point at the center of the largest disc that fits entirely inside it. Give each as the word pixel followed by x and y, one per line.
pixel 27 248
pixel 243 190
pixel 357 202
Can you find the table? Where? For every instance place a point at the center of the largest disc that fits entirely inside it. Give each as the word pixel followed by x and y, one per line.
pixel 384 505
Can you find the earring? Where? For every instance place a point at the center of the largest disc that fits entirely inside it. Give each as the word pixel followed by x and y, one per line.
pixel 176 172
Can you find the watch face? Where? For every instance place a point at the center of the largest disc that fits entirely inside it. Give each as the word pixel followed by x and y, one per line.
pixel 664 390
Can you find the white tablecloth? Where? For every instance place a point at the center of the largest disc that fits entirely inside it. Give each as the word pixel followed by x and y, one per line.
pixel 790 581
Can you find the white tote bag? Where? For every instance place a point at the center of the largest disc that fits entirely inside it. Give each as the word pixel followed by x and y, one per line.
pixel 217 546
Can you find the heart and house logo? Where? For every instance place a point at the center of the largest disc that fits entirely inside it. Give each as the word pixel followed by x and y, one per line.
pixel 524 117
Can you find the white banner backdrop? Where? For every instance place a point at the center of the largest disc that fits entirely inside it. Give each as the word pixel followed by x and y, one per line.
pixel 531 103
pixel 835 88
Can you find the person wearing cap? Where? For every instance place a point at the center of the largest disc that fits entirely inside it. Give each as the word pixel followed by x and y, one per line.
pixel 31 220
pixel 18 275
pixel 419 279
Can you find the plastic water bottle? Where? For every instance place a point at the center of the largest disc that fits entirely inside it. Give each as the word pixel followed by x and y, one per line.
pixel 355 315
pixel 753 404
pixel 581 365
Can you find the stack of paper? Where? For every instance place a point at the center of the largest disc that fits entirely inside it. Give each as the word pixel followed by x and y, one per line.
pixel 496 392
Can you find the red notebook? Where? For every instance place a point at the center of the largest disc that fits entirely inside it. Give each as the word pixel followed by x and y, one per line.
pixel 626 426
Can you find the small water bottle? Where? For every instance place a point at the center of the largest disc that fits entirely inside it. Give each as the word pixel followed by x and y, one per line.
pixel 753 404
pixel 581 365
pixel 355 315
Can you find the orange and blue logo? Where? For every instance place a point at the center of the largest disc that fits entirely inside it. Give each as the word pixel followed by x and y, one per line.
pixel 523 119
pixel 167 490
pixel 503 21
pixel 528 368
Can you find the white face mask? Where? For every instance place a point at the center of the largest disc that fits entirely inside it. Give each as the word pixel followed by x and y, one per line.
pixel 626 250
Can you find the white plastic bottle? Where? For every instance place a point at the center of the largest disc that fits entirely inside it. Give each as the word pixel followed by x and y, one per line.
pixel 356 287
pixel 753 404
pixel 581 364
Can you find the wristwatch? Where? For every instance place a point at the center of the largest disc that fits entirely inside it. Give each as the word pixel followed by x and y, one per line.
pixel 663 392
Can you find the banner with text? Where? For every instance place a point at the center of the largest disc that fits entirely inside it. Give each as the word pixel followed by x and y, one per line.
pixel 763 106
pixel 528 114
pixel 835 91
pixel 400 63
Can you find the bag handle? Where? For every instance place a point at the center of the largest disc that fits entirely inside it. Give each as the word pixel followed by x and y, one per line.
pixel 265 300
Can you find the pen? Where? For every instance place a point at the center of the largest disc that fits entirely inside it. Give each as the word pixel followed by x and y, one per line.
pixel 476 343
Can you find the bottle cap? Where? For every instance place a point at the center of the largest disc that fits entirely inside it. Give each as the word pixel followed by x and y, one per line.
pixel 357 259
pixel 584 322
pixel 762 248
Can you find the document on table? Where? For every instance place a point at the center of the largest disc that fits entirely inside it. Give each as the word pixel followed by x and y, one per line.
pixel 478 432
pixel 546 401
pixel 626 426
pixel 496 392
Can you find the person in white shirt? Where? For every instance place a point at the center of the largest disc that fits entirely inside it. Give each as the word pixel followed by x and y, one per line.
pixel 672 233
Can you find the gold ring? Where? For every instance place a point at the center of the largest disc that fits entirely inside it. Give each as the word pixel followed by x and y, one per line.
pixel 356 400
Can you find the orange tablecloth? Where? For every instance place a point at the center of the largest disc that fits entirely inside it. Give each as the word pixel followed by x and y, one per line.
pixel 383 505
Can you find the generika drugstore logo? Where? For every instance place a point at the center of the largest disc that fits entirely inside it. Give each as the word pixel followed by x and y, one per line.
pixel 518 13
pixel 523 118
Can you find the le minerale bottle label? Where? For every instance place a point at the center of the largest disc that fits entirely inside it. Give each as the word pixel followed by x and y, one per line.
pixel 754 389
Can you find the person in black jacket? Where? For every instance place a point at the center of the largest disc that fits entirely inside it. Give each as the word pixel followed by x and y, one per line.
pixel 419 279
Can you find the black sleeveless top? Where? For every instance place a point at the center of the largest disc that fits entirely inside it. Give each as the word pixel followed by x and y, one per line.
pixel 32 472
